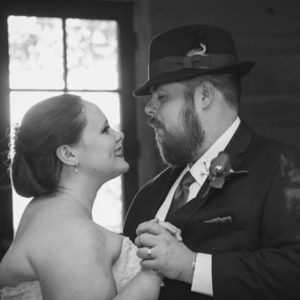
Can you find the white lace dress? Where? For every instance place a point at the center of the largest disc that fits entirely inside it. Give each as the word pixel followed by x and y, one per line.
pixel 124 269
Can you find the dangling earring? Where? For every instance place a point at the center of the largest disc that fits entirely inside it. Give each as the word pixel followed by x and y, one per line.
pixel 76 167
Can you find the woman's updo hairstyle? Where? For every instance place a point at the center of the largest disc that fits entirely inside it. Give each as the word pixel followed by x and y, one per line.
pixel 56 121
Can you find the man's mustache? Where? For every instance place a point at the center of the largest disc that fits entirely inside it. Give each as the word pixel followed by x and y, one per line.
pixel 154 122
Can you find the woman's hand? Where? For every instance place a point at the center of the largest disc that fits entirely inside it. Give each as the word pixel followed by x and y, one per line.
pixel 172 229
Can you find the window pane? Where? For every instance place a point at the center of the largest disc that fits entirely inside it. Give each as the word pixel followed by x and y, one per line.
pixel 92 54
pixel 35 52
pixel 108 204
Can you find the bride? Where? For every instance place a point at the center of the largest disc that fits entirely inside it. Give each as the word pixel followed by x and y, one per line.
pixel 64 151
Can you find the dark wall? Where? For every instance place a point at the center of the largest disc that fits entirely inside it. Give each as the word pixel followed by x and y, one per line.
pixel 267 32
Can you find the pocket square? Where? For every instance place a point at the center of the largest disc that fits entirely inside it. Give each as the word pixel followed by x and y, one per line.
pixel 223 220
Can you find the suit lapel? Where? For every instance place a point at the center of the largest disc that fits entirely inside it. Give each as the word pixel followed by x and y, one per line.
pixel 239 145
pixel 236 149
pixel 144 207
pixel 159 192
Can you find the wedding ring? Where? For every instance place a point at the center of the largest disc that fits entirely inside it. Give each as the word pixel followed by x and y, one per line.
pixel 149 252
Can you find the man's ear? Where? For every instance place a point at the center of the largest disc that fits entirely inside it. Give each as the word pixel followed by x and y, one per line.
pixel 205 94
pixel 66 155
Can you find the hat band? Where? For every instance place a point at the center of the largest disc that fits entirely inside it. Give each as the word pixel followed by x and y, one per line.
pixel 204 62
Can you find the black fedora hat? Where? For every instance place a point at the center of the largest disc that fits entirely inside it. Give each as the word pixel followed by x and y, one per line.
pixel 188 51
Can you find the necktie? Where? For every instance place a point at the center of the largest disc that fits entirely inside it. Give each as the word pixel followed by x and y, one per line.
pixel 181 193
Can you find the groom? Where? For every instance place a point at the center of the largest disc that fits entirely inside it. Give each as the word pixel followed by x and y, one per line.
pixel 234 194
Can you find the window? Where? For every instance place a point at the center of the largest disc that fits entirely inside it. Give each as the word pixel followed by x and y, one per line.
pixel 85 50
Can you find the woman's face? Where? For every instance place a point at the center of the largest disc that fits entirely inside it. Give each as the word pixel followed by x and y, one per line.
pixel 100 151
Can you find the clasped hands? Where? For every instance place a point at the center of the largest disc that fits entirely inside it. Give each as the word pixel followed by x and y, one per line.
pixel 161 249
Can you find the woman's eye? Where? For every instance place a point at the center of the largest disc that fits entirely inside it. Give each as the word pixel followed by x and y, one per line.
pixel 105 129
pixel 160 97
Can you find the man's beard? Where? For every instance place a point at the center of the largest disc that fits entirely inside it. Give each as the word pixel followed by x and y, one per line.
pixel 178 148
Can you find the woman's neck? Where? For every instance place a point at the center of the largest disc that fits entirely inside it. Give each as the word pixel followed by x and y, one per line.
pixel 81 191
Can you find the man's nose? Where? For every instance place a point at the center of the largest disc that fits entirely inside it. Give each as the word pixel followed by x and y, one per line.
pixel 150 108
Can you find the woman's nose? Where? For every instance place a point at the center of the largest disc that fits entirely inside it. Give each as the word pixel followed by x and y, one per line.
pixel 119 136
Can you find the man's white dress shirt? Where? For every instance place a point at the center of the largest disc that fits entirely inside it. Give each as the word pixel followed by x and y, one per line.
pixel 202 279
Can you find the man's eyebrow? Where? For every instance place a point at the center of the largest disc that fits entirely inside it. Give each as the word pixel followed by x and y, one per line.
pixel 156 89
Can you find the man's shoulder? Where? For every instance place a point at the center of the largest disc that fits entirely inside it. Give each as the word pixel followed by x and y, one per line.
pixel 273 146
pixel 267 154
pixel 252 139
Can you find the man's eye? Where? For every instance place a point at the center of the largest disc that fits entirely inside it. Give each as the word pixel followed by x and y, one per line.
pixel 160 97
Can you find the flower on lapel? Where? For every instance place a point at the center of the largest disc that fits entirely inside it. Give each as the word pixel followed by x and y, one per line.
pixel 220 169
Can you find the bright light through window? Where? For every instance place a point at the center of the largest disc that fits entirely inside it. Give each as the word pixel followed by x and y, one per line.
pixel 36 52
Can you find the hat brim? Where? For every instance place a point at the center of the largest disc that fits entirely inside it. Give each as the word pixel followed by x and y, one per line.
pixel 240 69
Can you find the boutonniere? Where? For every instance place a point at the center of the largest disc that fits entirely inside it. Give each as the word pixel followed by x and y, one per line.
pixel 221 170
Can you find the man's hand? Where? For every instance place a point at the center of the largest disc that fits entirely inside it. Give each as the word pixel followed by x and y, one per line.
pixel 161 251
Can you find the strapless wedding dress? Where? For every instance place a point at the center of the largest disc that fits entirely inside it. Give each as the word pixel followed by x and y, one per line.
pixel 124 269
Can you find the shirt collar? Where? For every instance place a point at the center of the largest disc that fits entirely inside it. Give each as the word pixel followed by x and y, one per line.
pixel 201 166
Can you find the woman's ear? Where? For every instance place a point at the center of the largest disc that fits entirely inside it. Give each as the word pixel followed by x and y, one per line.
pixel 66 155
pixel 205 94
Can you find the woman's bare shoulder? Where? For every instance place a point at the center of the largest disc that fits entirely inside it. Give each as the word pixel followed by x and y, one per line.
pixel 79 251
pixel 78 237
pixel 51 229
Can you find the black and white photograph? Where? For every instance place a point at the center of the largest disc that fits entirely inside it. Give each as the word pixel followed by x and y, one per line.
pixel 149 150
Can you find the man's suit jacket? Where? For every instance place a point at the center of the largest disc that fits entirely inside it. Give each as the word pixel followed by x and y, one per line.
pixel 251 226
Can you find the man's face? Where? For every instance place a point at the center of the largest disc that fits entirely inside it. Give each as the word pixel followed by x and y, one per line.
pixel 178 131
